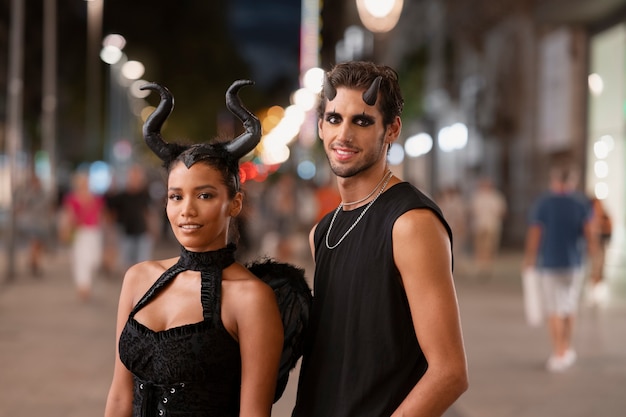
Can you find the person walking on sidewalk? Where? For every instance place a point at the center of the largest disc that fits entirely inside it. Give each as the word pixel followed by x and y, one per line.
pixel 559 228
pixel 385 336
pixel 488 208
pixel 131 211
pixel 82 214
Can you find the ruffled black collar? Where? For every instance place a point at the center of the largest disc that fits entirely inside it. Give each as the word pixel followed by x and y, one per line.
pixel 207 261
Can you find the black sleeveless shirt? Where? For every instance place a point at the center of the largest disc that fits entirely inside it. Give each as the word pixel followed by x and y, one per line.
pixel 192 370
pixel 362 356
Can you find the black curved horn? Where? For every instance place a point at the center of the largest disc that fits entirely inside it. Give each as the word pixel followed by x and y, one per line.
pixel 153 124
pixel 370 96
pixel 248 140
pixel 329 91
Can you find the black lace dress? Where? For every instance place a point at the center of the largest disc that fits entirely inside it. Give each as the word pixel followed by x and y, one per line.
pixel 193 370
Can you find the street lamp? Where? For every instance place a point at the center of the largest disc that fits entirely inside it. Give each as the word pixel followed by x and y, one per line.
pixel 93 92
pixel 112 54
pixel 122 74
pixel 379 15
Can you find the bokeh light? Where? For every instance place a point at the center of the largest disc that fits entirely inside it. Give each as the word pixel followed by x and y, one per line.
pixel 396 154
pixel 306 170
pixel 596 85
pixel 133 70
pixel 418 145
pixel 601 190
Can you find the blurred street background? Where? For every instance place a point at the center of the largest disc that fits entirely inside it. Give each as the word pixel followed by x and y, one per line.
pixel 495 91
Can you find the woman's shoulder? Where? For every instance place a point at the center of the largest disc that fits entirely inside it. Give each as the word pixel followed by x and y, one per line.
pixel 239 275
pixel 143 274
pixel 244 296
pixel 244 285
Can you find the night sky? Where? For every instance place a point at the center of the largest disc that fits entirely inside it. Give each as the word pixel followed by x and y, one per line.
pixel 195 48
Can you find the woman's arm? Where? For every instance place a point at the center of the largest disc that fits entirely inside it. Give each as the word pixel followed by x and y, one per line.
pixel 422 253
pixel 260 332
pixel 120 398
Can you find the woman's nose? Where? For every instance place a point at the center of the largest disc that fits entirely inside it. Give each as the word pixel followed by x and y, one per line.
pixel 189 208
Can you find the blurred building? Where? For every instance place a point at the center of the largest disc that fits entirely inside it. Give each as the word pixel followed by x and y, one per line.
pixel 535 82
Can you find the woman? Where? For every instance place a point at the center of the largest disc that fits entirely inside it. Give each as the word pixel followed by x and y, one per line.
pixel 81 224
pixel 198 335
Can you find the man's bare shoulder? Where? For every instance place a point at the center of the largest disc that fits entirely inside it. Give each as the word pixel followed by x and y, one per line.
pixel 420 220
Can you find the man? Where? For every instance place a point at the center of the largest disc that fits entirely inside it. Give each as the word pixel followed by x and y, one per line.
pixel 560 222
pixel 384 336
pixel 132 212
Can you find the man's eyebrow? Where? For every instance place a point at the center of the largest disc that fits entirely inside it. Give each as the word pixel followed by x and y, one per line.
pixel 364 116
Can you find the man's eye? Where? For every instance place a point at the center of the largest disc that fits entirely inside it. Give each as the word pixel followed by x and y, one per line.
pixel 363 122
pixel 333 119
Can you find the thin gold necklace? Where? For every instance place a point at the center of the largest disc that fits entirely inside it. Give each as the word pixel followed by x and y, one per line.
pixel 332 221
pixel 370 194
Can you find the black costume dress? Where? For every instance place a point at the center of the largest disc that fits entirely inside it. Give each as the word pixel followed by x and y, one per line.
pixel 362 356
pixel 194 370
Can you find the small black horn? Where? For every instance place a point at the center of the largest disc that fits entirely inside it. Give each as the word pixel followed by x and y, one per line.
pixel 153 124
pixel 247 141
pixel 371 95
pixel 329 91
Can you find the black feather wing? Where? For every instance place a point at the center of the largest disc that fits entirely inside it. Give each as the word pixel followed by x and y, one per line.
pixel 294 302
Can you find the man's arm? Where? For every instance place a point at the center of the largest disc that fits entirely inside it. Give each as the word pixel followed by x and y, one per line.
pixel 531 247
pixel 422 253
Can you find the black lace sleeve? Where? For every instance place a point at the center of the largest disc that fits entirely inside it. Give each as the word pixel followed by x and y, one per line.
pixel 294 301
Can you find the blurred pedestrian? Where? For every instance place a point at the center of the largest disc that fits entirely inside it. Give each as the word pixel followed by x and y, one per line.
pixel 34 213
pixel 81 227
pixel 291 209
pixel 455 210
pixel 602 227
pixel 200 334
pixel 131 210
pixel 282 202
pixel 110 233
pixel 327 199
pixel 487 210
pixel 559 228
pixel 385 336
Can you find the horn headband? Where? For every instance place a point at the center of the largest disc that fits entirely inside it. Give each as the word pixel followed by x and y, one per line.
pixel 234 150
pixel 369 96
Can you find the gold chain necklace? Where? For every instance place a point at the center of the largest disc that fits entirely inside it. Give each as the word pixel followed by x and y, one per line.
pixel 369 195
pixel 332 221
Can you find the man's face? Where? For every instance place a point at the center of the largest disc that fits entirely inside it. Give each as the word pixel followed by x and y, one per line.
pixel 353 133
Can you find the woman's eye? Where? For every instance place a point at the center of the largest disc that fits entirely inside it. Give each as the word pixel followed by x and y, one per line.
pixel 173 197
pixel 205 196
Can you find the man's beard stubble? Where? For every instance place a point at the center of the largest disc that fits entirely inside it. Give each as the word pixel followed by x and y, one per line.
pixel 371 158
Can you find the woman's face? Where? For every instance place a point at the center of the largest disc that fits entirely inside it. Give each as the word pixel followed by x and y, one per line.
pixel 199 208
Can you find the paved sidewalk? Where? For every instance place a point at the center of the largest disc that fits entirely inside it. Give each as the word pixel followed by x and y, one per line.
pixel 56 353
pixel 507 357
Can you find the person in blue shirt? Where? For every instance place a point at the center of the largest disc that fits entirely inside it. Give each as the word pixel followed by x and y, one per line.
pixel 559 232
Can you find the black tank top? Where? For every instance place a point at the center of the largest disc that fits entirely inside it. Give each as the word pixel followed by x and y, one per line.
pixel 192 370
pixel 361 355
